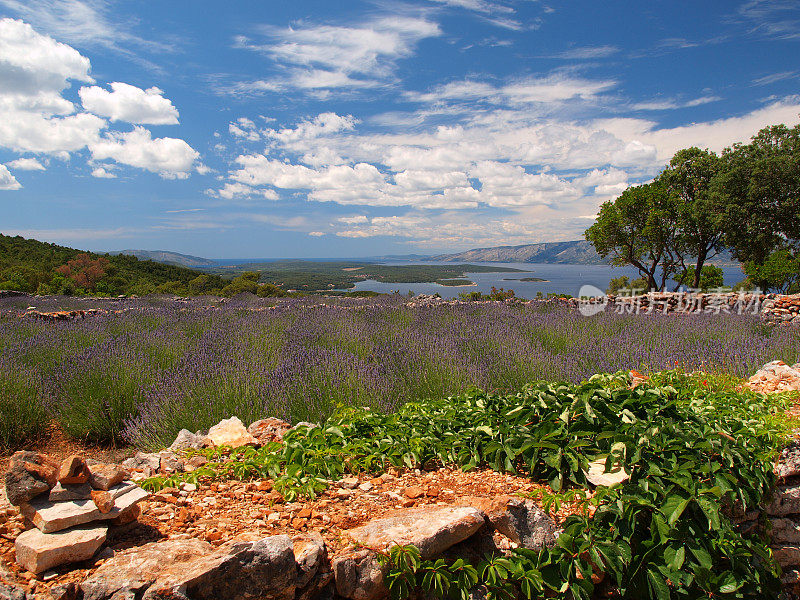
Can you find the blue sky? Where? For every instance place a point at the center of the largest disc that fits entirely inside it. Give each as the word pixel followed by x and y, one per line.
pixel 335 129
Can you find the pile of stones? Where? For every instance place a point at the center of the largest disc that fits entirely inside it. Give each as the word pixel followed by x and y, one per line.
pixel 783 310
pixel 68 505
pixel 775 376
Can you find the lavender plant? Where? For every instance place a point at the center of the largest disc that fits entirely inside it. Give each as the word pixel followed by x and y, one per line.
pixel 150 367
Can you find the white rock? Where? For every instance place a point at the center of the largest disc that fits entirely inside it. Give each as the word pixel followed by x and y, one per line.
pixel 38 552
pixel 231 432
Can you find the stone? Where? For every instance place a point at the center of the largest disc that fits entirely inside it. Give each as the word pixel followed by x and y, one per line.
pixel 775 376
pixel 785 531
pixel 105 476
pixel 413 492
pixel 310 556
pixel 23 484
pixel 788 464
pixel 62 492
pixel 103 501
pixel 64 591
pixel 194 463
pixel 359 576
pixel 522 521
pixel 268 430
pixel 144 461
pixel 186 440
pixel 349 483
pixel 37 552
pixel 11 592
pixel 73 471
pixel 127 515
pixel 50 517
pixel 230 432
pixel 596 475
pixel 134 570
pixel 787 556
pixel 432 529
pixel 242 570
pixel 785 501
pixel 170 463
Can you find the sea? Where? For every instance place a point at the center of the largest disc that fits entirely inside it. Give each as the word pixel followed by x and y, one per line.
pixel 560 279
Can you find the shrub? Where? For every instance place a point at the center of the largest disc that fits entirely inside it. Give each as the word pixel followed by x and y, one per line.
pixel 23 419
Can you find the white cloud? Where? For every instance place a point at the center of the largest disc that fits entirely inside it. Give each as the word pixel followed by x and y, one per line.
pixel 103 173
pixel 672 103
pixel 171 158
pixel 129 103
pixel 323 124
pixel 7 180
pixel 80 22
pixel 26 164
pixel 588 52
pixel 329 56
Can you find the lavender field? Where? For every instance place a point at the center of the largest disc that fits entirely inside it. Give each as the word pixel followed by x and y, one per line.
pixel 140 375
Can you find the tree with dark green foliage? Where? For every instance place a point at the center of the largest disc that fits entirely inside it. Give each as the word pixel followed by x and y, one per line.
pixel 246 282
pixel 780 271
pixel 711 277
pixel 624 284
pixel 758 194
pixel 689 176
pixel 640 228
pixel 38 267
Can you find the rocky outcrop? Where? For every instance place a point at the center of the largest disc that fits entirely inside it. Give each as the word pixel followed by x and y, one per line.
pixel 130 572
pixel 521 521
pixel 268 430
pixel 241 571
pixel 359 576
pixel 775 376
pixel 431 529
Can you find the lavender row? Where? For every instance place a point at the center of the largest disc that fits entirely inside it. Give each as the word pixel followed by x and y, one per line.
pixel 141 374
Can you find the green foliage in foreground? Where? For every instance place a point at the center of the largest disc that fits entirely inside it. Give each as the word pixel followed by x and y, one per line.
pixel 694 449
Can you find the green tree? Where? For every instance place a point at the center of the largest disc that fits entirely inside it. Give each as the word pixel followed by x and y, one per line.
pixel 780 271
pixel 711 277
pixel 246 282
pixel 639 228
pixel 689 176
pixel 758 194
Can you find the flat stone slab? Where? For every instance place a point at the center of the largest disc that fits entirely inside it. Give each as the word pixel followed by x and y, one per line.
pixel 63 492
pixel 431 529
pixel 37 552
pixel 50 517
pixel 785 501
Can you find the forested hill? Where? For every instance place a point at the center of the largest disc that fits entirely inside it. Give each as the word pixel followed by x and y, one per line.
pixel 38 267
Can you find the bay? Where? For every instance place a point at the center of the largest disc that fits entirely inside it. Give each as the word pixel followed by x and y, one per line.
pixel 561 279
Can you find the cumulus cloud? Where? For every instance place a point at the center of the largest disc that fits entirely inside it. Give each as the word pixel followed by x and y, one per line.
pixel 171 158
pixel 35 117
pixel 26 164
pixel 7 180
pixel 330 56
pixel 129 103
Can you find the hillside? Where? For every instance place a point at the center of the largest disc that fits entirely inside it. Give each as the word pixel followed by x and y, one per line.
pixel 167 257
pixel 574 252
pixel 38 267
